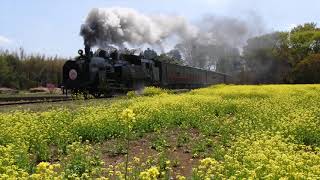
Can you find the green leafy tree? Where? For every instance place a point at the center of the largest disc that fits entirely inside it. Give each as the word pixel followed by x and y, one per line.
pixel 308 70
pixel 299 43
pixel 305 27
pixel 300 47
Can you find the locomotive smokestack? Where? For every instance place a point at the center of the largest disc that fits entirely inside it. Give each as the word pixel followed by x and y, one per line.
pixel 87 48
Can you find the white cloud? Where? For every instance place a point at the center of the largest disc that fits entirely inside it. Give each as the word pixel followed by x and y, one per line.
pixel 4 40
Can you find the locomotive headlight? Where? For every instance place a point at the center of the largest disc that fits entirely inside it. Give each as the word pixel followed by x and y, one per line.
pixel 73 74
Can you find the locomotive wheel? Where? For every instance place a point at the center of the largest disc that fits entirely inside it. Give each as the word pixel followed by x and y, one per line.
pixel 79 94
pixel 96 94
pixel 108 94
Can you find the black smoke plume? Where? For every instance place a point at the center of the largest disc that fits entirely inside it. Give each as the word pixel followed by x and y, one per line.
pixel 124 26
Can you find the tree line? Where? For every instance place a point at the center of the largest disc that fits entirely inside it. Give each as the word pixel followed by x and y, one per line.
pixel 21 71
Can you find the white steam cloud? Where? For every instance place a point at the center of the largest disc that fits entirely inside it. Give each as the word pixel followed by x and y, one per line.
pixel 125 26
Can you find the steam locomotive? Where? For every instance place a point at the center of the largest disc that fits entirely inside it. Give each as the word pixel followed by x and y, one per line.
pixel 103 73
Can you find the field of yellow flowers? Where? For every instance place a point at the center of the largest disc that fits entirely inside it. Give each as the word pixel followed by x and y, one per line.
pixel 220 132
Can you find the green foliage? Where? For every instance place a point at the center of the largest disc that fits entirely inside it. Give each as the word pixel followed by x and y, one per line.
pixel 159 142
pixel 303 43
pixel 306 27
pixel 202 147
pixel 81 159
pixel 307 71
pixel 20 71
pixel 117 148
pixel 299 47
pixel 183 139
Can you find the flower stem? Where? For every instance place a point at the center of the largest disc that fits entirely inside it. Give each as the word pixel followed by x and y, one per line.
pixel 127 158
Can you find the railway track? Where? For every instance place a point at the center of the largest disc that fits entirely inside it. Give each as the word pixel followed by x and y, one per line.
pixel 9 101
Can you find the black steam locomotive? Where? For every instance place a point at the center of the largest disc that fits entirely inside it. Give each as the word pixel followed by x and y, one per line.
pixel 104 73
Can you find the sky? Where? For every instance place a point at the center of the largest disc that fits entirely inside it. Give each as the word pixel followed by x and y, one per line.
pixel 52 27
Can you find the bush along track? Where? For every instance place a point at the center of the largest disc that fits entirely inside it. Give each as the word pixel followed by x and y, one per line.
pixel 220 132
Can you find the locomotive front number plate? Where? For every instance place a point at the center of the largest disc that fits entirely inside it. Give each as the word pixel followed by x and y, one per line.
pixel 73 74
